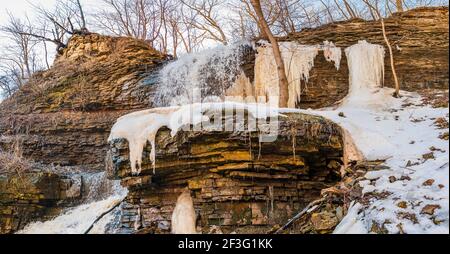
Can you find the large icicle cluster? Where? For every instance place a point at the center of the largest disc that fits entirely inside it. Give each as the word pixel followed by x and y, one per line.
pixel 298 60
pixel 141 127
pixel 366 67
pixel 217 74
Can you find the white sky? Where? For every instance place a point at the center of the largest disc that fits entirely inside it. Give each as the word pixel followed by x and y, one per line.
pixel 19 7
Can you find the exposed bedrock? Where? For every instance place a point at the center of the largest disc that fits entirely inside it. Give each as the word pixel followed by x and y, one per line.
pixel 63 116
pixel 31 196
pixel 420 39
pixel 237 183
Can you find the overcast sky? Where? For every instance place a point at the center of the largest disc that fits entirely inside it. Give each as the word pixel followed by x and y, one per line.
pixel 19 7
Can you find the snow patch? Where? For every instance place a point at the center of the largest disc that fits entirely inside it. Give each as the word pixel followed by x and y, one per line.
pixel 382 128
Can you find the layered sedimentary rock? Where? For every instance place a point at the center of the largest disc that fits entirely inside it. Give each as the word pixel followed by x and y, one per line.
pixel 29 196
pixel 420 39
pixel 63 116
pixel 237 183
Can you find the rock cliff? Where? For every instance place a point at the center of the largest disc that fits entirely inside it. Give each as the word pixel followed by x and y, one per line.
pixel 238 184
pixel 420 39
pixel 63 116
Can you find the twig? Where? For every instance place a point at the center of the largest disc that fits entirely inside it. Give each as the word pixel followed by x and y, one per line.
pixel 103 215
pixel 303 212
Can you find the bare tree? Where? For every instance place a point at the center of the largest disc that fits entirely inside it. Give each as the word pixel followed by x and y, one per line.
pixel 56 25
pixel 140 19
pixel 21 48
pixel 374 7
pixel 399 5
pixel 283 81
pixel 7 86
pixel 207 18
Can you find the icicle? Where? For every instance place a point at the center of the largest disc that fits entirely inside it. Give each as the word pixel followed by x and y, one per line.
pixel 332 53
pixel 298 60
pixel 183 216
pixel 366 67
pixel 138 129
pixel 241 91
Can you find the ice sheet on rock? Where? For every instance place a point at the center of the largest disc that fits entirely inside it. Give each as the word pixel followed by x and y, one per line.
pixel 141 127
pixel 298 60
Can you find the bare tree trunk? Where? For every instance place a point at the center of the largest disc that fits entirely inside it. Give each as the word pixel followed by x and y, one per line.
pixel 391 54
pixel 388 44
pixel 46 55
pixel 283 82
pixel 399 4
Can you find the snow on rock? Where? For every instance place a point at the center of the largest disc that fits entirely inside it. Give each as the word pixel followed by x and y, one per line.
pixel 384 128
pixel 141 127
pixel 351 223
pixel 386 131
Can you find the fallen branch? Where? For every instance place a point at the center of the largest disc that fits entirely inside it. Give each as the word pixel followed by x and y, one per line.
pixel 309 208
pixel 103 215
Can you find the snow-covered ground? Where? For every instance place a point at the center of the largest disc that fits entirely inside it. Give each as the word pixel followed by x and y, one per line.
pixel 415 188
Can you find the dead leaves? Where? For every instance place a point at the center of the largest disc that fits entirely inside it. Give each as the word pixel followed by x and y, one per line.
pixel 430 209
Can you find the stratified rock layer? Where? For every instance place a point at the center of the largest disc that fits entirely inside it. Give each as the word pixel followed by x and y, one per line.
pixel 63 116
pixel 30 196
pixel 420 39
pixel 237 183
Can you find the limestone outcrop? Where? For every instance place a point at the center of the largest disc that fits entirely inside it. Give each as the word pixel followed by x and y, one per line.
pixel 237 184
pixel 31 196
pixel 63 116
pixel 420 39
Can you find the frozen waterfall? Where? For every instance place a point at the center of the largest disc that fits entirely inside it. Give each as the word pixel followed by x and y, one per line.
pixel 101 195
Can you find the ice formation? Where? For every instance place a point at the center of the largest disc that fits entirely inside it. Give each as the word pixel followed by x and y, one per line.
pixel 298 60
pixel 211 72
pixel 77 220
pixel 383 128
pixel 332 53
pixel 366 67
pixel 216 73
pixel 183 216
pixel 241 91
pixel 141 127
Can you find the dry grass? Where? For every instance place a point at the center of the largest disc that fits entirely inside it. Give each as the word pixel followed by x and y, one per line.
pixel 11 163
pixel 435 98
